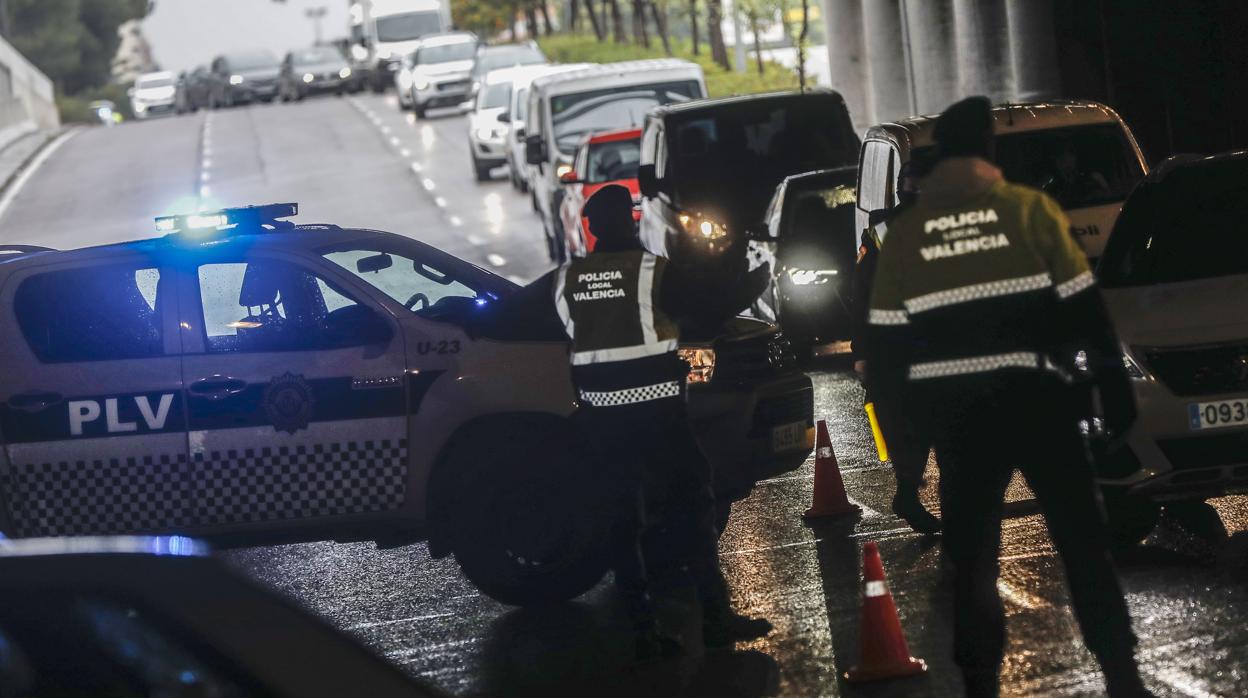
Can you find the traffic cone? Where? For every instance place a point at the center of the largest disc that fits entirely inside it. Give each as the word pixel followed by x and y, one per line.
pixel 885 654
pixel 830 498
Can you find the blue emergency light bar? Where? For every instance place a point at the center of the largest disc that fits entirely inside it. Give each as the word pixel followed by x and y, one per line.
pixel 249 218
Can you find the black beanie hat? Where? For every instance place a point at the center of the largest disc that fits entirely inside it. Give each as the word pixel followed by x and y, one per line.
pixel 965 129
pixel 610 213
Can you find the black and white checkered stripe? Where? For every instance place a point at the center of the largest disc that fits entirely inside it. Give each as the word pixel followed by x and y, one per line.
pixel 631 396
pixel 167 492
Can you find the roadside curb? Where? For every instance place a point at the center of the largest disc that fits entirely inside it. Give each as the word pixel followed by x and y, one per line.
pixel 16 179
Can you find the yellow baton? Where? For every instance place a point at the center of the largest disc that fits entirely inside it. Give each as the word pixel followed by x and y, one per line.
pixel 875 431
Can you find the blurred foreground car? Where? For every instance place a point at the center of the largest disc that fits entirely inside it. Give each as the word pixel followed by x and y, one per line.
pixel 1080 153
pixel 153 93
pixel 808 231
pixel 312 71
pixel 1175 277
pixel 606 158
pixel 157 617
pixel 247 380
pixel 242 77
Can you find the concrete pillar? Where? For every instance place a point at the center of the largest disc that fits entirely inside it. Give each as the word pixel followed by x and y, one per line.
pixel 1033 49
pixel 887 53
pixel 983 46
pixel 930 26
pixel 847 59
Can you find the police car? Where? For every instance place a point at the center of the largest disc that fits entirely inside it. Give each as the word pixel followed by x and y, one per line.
pixel 248 380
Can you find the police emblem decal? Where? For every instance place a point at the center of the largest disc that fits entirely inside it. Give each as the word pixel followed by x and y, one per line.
pixel 288 403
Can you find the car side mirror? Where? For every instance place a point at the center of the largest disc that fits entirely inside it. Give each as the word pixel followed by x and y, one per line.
pixel 535 150
pixel 373 263
pixel 570 177
pixel 647 182
pixel 505 118
pixel 520 132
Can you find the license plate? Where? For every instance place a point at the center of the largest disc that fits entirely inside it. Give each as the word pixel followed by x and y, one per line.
pixel 788 437
pixel 1213 415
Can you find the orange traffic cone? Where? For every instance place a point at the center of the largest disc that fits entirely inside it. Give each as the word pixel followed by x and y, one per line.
pixel 885 654
pixel 830 498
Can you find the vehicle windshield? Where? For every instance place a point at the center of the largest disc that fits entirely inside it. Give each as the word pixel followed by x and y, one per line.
pixel 150 83
pixel 734 158
pixel 445 53
pixel 1080 166
pixel 316 56
pixel 613 160
pixel 579 114
pixel 506 56
pixel 495 96
pixel 408 26
pixel 252 61
pixel 1179 233
pixel 427 287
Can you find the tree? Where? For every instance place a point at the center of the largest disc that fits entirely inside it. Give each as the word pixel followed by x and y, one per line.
pixel 693 24
pixel 72 41
pixel 617 22
pixel 485 17
pixel 660 24
pixel 715 33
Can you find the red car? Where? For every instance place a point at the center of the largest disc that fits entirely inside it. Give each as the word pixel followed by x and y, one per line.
pixel 606 158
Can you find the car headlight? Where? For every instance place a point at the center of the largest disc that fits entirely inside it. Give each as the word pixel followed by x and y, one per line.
pixel 358 52
pixel 236 79
pixel 811 277
pixel 701 362
pixel 703 226
pixel 308 77
pixel 420 83
pixel 344 73
pixel 562 170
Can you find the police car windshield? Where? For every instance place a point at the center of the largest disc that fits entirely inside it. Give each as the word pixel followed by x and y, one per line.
pixel 1186 228
pixel 424 286
pixel 407 26
pixel 1080 166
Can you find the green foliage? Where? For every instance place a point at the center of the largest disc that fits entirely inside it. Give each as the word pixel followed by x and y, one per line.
pixel 72 41
pixel 76 109
pixel 485 17
pixel 575 48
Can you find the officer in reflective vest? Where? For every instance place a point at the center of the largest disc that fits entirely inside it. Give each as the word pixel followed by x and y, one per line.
pixel 981 301
pixel 614 305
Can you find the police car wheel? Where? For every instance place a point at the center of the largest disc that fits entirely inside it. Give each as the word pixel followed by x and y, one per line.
pixel 526 533
pixel 1129 518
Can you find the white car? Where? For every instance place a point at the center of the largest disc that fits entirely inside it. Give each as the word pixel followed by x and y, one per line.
pixel 153 93
pixel 489 119
pixel 440 68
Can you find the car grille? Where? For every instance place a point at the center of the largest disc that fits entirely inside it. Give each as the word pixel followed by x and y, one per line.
pixel 788 408
pixel 452 85
pixel 744 359
pixel 1202 370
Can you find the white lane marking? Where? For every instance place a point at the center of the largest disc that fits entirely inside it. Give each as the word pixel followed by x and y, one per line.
pixel 394 141
pixel 27 172
pixel 204 176
pixel 867 512
pixel 456 221
pixel 385 130
pixel 428 184
pixel 417 167
pixel 747 551
pixel 496 259
pixel 405 153
pixel 1018 597
pixel 1184 683
pixel 440 202
pixel 205 192
pixel 413 619
pixel 474 240
pixel 207 163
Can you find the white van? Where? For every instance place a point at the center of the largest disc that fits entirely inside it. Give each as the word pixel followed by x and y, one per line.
pixel 565 108
pixel 517 109
pixel 1080 153
pixel 384 31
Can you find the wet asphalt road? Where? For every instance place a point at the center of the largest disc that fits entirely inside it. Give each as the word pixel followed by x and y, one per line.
pixel 359 161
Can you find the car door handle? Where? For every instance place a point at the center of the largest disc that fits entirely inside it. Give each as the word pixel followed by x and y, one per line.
pixel 217 387
pixel 34 401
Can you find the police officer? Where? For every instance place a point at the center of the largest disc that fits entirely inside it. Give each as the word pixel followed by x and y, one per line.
pixel 908 450
pixel 980 302
pixel 619 307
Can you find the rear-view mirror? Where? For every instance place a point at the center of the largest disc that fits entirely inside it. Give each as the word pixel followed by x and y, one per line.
pixel 647 182
pixel 534 150
pixel 373 263
pixel 505 117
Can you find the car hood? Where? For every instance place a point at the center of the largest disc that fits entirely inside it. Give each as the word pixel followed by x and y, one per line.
pixel 486 117
pixel 319 68
pixel 1191 312
pixel 439 69
pixel 155 92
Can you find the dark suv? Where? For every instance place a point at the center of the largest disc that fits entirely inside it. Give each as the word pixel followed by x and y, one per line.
pixel 242 77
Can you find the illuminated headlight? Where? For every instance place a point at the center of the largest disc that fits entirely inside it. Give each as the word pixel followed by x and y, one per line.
pixel 562 170
pixel 809 277
pixel 707 228
pixel 308 77
pixel 344 73
pixel 701 362
pixel 236 79
pixel 140 107
pixel 358 52
pixel 420 83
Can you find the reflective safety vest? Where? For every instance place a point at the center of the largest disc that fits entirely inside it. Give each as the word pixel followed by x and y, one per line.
pixel 609 305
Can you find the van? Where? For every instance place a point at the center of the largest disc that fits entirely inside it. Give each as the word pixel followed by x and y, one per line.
pixel 384 31
pixel 1080 153
pixel 567 107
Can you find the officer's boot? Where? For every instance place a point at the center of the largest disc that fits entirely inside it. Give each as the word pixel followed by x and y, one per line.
pixel 1122 678
pixel 907 506
pixel 721 626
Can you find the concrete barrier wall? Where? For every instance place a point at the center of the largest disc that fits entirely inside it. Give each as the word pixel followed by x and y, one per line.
pixel 27 96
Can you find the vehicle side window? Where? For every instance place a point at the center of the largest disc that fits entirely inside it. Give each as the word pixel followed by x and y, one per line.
pixel 273 305
pixel 91 314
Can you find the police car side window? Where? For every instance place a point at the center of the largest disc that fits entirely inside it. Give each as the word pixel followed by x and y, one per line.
pixel 273 305
pixel 91 314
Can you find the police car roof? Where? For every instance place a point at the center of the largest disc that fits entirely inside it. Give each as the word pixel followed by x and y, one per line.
pixel 699 105
pixel 916 131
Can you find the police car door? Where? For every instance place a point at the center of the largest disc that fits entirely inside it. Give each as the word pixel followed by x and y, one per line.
pixel 295 394
pixel 91 405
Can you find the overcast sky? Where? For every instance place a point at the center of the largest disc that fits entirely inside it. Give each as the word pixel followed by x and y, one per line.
pixel 186 33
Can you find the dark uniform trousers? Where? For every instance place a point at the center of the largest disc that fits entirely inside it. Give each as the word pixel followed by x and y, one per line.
pixel 983 426
pixel 649 446
pixel 908 446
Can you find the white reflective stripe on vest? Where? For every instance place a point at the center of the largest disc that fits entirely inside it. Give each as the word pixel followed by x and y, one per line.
pixel 645 299
pixel 640 351
pixel 977 364
pixel 561 301
pixel 632 396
